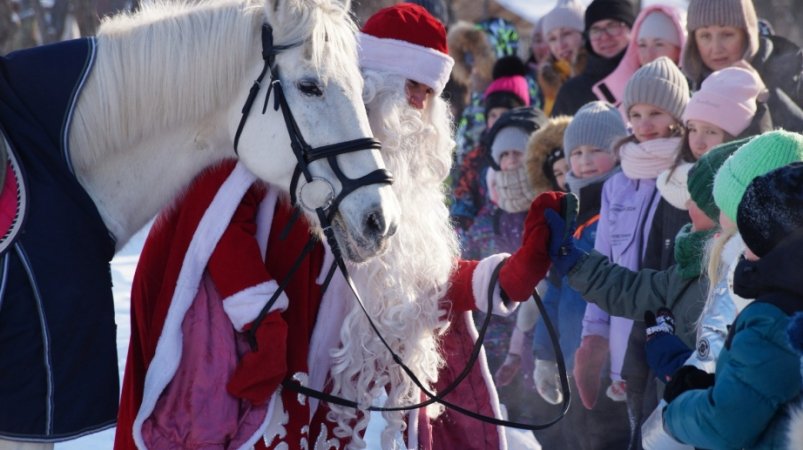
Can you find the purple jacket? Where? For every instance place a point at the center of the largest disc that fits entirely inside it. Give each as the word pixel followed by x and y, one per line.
pixel 627 211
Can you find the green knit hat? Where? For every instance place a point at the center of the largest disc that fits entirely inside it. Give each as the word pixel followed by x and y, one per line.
pixel 762 154
pixel 700 182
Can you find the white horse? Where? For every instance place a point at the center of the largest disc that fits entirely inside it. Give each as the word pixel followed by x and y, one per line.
pixel 162 103
pixel 165 99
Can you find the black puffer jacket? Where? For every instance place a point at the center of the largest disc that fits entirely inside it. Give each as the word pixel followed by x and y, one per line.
pixel 779 62
pixel 576 91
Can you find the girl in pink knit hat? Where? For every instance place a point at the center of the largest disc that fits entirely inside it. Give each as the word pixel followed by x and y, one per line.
pixel 729 104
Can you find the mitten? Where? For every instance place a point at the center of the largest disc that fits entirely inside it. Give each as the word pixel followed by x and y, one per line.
pixel 529 264
pixel 617 391
pixel 260 371
pixel 662 322
pixel 687 378
pixel 589 360
pixel 547 381
pixel 666 353
pixel 562 250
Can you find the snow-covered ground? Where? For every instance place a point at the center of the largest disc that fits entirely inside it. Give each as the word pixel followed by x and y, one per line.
pixel 123 266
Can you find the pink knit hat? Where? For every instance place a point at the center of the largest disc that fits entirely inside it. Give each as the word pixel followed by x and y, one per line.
pixel 515 84
pixel 727 99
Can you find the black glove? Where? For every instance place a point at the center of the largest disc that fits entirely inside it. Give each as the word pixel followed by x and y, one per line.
pixel 663 322
pixel 687 378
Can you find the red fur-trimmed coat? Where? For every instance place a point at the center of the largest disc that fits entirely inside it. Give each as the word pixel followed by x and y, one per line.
pixel 201 276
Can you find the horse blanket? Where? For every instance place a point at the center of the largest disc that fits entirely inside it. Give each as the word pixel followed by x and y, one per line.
pixel 57 332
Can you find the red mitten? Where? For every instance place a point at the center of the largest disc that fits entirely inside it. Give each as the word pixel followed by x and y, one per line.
pixel 259 372
pixel 529 264
pixel 588 363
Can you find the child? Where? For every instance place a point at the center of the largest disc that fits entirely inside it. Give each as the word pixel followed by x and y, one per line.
pixel 758 372
pixel 654 100
pixel 471 210
pixel 588 142
pixel 510 190
pixel 728 101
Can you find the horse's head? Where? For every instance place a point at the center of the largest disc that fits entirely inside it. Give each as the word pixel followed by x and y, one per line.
pixel 319 100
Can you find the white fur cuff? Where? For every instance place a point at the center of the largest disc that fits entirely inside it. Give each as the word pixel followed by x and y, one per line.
pixel 244 306
pixel 481 279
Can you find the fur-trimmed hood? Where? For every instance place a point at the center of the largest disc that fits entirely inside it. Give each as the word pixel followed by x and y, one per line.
pixel 795 433
pixel 484 42
pixel 541 143
pixel 465 38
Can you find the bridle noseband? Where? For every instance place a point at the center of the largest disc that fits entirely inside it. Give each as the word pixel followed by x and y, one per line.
pixel 305 154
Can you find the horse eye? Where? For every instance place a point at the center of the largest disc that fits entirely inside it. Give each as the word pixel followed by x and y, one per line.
pixel 309 88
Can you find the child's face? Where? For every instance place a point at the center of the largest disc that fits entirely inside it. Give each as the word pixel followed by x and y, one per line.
pixel 650 49
pixel 493 115
pixel 588 161
pixel 699 220
pixel 703 136
pixel 650 122
pixel 510 159
pixel 560 168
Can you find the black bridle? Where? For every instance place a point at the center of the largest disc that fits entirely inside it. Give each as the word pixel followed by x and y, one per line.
pixel 305 154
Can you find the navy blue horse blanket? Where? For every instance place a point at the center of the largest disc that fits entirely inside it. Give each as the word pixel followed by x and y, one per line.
pixel 58 356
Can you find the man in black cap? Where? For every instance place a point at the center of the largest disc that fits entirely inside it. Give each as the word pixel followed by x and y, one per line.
pixel 607 34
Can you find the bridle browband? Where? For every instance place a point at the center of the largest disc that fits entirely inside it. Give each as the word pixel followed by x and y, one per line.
pixel 305 154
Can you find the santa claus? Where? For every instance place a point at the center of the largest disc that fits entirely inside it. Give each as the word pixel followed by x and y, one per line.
pixel 212 262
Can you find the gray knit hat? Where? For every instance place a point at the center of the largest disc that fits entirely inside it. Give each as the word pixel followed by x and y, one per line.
pixel 566 14
pixel 659 83
pixel 724 13
pixel 598 124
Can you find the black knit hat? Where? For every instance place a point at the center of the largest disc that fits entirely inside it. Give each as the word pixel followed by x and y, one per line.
pixel 771 208
pixel 621 10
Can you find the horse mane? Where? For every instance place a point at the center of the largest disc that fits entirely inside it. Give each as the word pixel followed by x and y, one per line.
pixel 172 63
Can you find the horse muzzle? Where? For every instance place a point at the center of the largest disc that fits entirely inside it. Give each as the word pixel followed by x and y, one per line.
pixel 362 228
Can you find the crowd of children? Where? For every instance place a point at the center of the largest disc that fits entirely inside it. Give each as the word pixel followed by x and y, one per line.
pixel 673 296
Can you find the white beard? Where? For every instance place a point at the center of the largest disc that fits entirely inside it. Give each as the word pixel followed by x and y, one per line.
pixel 403 287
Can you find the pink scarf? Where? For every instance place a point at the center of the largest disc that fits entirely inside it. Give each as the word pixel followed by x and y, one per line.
pixel 646 160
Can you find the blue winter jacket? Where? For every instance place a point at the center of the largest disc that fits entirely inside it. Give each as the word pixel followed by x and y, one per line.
pixel 758 372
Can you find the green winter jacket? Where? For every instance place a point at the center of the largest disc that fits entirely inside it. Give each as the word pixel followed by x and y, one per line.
pixel 625 293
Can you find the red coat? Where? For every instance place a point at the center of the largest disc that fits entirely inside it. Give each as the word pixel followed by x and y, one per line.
pixel 199 274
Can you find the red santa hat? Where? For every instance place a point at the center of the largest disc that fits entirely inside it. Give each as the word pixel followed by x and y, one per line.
pixel 406 40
